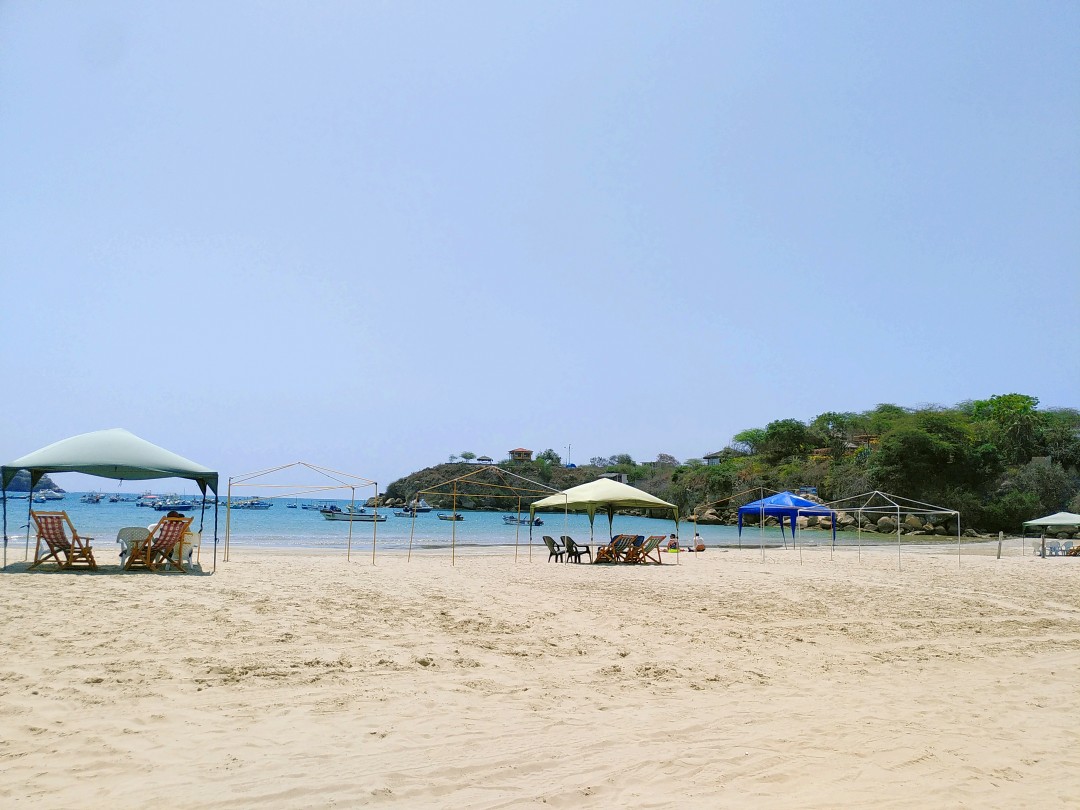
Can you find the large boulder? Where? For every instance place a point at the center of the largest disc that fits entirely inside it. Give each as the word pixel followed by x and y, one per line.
pixel 709 518
pixel 886 525
pixel 914 523
pixel 844 520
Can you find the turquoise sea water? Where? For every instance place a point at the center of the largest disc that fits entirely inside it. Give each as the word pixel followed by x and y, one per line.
pixel 282 527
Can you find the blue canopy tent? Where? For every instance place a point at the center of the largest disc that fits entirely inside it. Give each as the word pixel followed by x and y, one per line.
pixel 785 504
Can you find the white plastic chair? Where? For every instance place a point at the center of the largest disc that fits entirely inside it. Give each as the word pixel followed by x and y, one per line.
pixel 1053 549
pixel 130 537
pixel 191 543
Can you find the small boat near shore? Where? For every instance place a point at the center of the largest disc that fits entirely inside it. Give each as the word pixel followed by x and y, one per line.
pixel 514 520
pixel 174 505
pixel 252 503
pixel 452 516
pixel 357 514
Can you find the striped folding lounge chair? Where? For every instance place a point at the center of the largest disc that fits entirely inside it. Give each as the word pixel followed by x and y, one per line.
pixel 52 531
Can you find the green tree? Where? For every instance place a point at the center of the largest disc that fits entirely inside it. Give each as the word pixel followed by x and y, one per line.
pixel 884 416
pixel 786 438
pixel 468 456
pixel 923 455
pixel 549 456
pixel 1061 436
pixel 749 441
pixel 1013 423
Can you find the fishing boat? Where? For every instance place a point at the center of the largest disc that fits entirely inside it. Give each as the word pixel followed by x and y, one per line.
pixel 356 514
pixel 514 520
pixel 452 516
pixel 252 503
pixel 419 506
pixel 92 497
pixel 174 505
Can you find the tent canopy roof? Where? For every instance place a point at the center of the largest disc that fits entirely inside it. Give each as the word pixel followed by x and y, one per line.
pixel 113 453
pixel 785 504
pixel 1056 519
pixel 603 493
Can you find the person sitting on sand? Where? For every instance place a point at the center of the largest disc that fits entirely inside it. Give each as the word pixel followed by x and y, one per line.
pixel 699 544
pixel 673 543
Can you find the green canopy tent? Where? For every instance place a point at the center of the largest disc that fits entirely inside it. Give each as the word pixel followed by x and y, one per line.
pixel 1058 520
pixel 601 495
pixel 113 453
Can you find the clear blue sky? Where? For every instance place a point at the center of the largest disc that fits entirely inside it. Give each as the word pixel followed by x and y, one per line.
pixel 369 235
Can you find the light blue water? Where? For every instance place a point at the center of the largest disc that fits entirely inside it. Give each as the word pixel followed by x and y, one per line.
pixel 282 527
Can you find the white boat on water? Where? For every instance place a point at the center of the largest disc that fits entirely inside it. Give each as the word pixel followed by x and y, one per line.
pixel 252 503
pixel 451 516
pixel 354 514
pixel 514 520
pixel 419 506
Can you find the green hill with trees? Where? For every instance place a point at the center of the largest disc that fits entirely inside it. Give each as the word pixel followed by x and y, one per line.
pixel 999 461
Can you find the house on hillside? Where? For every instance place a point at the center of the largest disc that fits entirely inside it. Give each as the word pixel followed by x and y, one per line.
pixel 622 478
pixel 485 460
pixel 712 459
pixel 521 454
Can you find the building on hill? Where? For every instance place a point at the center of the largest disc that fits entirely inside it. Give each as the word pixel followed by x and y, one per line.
pixel 712 459
pixel 622 478
pixel 521 454
pixel 485 460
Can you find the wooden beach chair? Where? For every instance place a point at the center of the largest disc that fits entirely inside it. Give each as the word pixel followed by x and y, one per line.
pixel 52 530
pixel 617 549
pixel 159 551
pixel 645 550
pixel 554 549
pixel 574 550
pixel 650 552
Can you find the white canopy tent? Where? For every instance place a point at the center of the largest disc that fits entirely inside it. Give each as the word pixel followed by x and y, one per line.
pixel 113 453
pixel 882 504
pixel 605 495
pixel 1058 520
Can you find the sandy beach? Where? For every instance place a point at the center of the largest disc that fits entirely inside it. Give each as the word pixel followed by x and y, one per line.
pixel 302 680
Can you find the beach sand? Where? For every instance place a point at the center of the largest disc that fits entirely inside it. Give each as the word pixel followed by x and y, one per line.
pixel 303 680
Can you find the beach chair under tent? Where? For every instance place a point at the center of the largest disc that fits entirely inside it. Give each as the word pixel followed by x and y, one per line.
pixel 132 540
pixel 618 548
pixel 190 547
pixel 640 552
pixel 650 552
pixel 574 550
pixel 1067 548
pixel 554 549
pixel 52 530
pixel 1053 548
pixel 160 551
